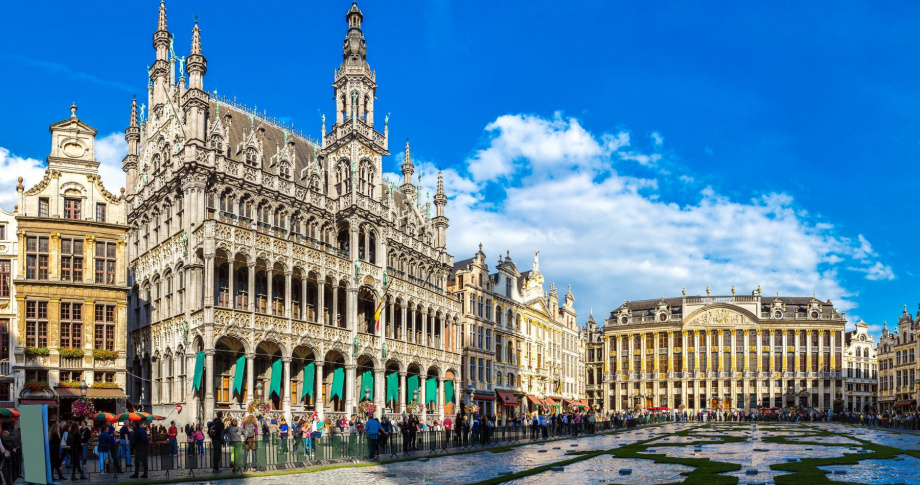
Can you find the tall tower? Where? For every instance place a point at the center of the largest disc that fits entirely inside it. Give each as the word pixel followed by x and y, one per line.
pixel 159 72
pixel 354 85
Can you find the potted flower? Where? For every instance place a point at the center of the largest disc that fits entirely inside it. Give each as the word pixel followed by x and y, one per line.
pixel 102 354
pixel 367 407
pixel 258 407
pixel 71 353
pixel 32 386
pixel 37 352
pixel 69 384
pixel 415 407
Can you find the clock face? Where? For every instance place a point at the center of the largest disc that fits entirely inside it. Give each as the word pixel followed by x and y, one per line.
pixel 814 315
pixel 624 320
pixel 662 317
pixel 778 314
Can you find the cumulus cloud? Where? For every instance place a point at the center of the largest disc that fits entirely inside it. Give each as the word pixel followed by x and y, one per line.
pixel 110 150
pixel 551 185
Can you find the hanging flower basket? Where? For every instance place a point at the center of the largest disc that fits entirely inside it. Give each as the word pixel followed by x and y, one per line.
pixel 71 353
pixel 681 407
pixel 472 408
pixel 573 408
pixel 367 407
pixel 83 408
pixel 258 407
pixel 415 407
pixel 100 354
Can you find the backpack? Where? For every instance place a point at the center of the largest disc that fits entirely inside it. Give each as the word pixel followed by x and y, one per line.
pixel 250 429
pixel 199 436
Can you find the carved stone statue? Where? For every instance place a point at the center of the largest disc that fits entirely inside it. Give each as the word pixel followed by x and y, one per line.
pixel 184 239
pixel 536 261
pixel 383 351
pixel 357 269
pixel 355 345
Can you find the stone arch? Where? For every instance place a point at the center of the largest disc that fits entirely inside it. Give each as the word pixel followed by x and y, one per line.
pixel 334 380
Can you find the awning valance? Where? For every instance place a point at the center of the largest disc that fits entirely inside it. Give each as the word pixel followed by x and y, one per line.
pixel 583 403
pixel 571 402
pixel 909 402
pixel 550 402
pixel 91 393
pixel 507 398
pixel 50 402
pixel 483 397
pixel 535 400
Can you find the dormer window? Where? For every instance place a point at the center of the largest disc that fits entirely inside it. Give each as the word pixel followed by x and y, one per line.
pixel 216 143
pixel 285 171
pixel 251 157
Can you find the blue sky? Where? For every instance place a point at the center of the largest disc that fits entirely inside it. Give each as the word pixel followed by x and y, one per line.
pixel 641 146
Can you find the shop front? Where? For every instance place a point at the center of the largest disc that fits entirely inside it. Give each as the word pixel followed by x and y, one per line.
pixel 507 405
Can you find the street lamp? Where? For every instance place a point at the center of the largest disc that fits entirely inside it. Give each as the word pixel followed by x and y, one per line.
pixel 83 388
pixel 259 389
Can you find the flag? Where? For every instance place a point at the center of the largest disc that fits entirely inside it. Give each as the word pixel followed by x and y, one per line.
pixel 383 298
pixel 377 313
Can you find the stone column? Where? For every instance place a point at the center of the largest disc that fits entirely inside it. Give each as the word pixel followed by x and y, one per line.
pixel 402 316
pixel 231 278
pixel 425 341
pixel 155 378
pixel 251 275
pixel 379 391
pixel 350 401
pixel 286 388
pixel 319 402
pixel 270 276
pixel 402 392
pixel 209 280
pixel 335 305
pixel 287 293
pixel 303 298
pixel 321 302
pixel 422 395
pixel 250 379
pixel 209 384
pixel 440 398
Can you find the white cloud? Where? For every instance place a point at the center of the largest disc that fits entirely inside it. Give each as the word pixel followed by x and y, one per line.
pixel 110 150
pixel 614 236
pixel 11 168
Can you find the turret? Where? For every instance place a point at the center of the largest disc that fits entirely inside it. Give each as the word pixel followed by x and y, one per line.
pixel 440 221
pixel 195 100
pixel 407 168
pixel 159 74
pixel 133 137
pixel 354 81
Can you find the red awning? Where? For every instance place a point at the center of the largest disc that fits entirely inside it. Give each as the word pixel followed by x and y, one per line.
pixel 905 403
pixel 7 404
pixel 583 402
pixel 507 398
pixel 483 397
pixel 569 401
pixel 550 402
pixel 91 393
pixel 50 402
pixel 535 400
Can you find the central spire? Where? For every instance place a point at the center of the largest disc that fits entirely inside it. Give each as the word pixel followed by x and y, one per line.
pixel 354 39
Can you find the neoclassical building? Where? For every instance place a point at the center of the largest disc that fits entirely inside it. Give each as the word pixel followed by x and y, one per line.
pixel 897 363
pixel 724 352
pixel 860 365
pixel 521 349
pixel 259 255
pixel 70 283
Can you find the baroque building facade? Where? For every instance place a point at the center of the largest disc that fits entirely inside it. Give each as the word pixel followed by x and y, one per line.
pixel 860 363
pixel 9 316
pixel 593 336
pixel 259 254
pixel 70 283
pixel 521 349
pixel 897 361
pixel 739 352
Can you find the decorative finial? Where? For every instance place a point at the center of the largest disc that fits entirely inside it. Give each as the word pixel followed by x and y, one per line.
pixel 73 110
pixel 480 247
pixel 161 21
pixel 508 254
pixel 707 290
pixel 440 183
pixel 196 38
pixel 133 122
pixel 733 290
pixel 683 291
pixel 122 192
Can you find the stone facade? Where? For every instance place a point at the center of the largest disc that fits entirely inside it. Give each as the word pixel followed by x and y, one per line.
pixel 519 346
pixel 724 352
pixel 593 336
pixel 897 359
pixel 9 316
pixel 70 282
pixel 860 365
pixel 259 255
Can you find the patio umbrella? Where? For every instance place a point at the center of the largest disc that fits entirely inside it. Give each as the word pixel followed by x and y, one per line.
pixel 128 417
pixel 105 417
pixel 153 417
pixel 9 415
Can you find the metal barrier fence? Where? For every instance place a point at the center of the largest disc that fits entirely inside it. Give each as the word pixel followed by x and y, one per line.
pixel 291 453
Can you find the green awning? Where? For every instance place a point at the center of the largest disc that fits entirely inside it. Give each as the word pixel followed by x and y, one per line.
pixel 431 390
pixel 199 370
pixel 309 377
pixel 274 386
pixel 411 387
pixel 367 382
pixel 448 391
pixel 392 384
pixel 238 374
pixel 338 381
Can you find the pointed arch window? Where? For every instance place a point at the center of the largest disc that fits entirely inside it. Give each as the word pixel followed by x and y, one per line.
pixel 252 156
pixel 284 171
pixel 216 142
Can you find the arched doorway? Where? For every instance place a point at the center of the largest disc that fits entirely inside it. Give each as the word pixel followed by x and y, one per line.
pixel 303 379
pixel 364 377
pixel 334 382
pixel 392 389
pixel 269 373
pixel 230 390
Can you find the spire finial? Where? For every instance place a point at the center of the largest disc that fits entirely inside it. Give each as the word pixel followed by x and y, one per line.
pixel 133 122
pixel 73 110
pixel 161 22
pixel 440 183
pixel 196 38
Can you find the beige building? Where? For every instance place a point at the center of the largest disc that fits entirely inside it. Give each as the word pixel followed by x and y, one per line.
pixel 70 283
pixel 259 254
pixel 521 349
pixel 9 316
pixel 724 352
pixel 897 360
pixel 593 336
pixel 860 365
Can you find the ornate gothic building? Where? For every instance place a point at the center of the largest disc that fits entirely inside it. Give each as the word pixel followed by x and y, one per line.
pixel 259 255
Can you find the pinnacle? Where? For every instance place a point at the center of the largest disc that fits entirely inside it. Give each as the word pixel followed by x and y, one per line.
pixel 161 22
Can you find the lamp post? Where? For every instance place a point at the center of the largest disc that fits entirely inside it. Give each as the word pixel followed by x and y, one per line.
pixel 259 389
pixel 83 388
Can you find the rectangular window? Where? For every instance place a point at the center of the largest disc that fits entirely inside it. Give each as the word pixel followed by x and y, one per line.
pixel 72 208
pixel 105 327
pixel 36 323
pixel 5 277
pixel 43 207
pixel 5 337
pixel 72 259
pixel 100 212
pixel 37 258
pixel 103 377
pixel 105 262
pixel 3 231
pixel 71 325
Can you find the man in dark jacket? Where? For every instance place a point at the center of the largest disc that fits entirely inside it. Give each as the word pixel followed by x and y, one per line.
pixel 216 432
pixel 139 442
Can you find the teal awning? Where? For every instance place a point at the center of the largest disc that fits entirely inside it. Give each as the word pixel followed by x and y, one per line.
pixel 367 382
pixel 199 370
pixel 448 391
pixel 411 387
pixel 238 374
pixel 309 376
pixel 274 386
pixel 338 382
pixel 392 384
pixel 431 390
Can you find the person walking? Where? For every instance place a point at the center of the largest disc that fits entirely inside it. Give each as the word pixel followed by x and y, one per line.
pixel 124 443
pixel 372 429
pixel 75 438
pixel 86 435
pixel 172 435
pixel 249 432
pixel 236 435
pixel 216 433
pixel 140 442
pixel 54 447
pixel 103 445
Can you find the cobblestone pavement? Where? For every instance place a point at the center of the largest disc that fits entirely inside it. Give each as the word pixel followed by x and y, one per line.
pixel 753 452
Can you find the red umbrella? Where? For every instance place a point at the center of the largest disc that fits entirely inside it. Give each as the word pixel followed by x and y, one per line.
pixel 9 415
pixel 128 417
